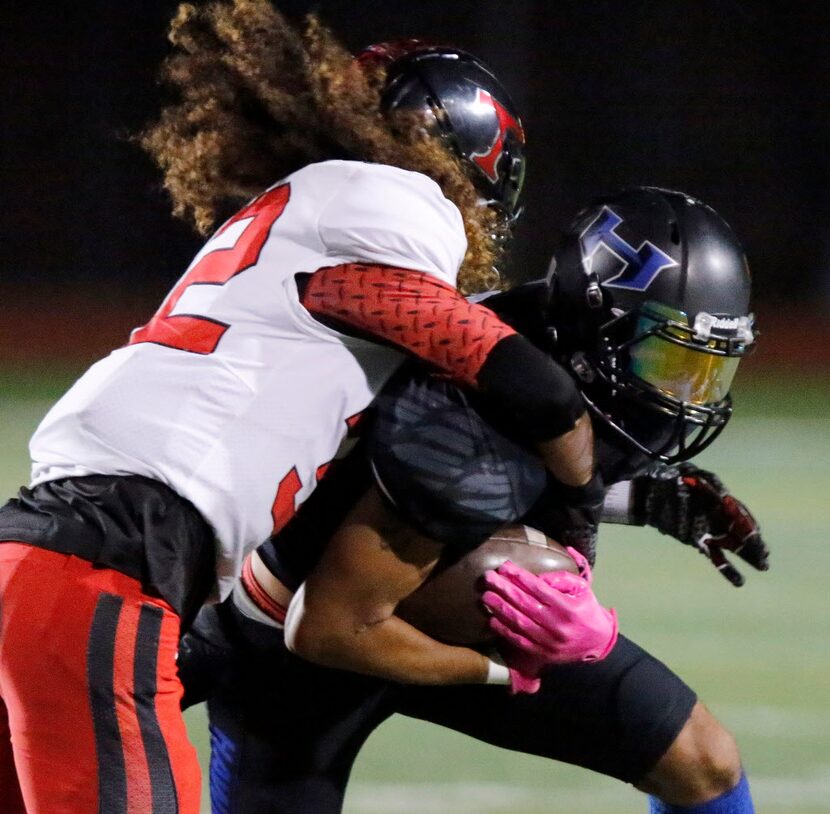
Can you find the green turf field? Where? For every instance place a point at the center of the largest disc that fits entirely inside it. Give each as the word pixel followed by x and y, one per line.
pixel 759 655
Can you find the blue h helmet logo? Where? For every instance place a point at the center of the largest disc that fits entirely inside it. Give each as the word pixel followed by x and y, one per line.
pixel 638 267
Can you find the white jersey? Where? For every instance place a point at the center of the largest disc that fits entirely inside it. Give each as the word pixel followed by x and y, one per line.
pixel 233 394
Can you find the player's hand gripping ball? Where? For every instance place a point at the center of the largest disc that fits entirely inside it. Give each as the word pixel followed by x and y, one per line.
pixel 550 618
pixel 448 605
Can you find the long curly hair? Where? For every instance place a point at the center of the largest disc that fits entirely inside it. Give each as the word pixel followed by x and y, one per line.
pixel 257 99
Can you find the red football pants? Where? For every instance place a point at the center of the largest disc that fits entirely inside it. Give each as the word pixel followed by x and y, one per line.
pixel 89 694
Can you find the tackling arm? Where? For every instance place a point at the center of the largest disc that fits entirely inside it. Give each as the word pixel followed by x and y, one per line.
pixel 419 314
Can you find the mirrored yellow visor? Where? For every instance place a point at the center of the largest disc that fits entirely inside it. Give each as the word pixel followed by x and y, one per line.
pixel 682 372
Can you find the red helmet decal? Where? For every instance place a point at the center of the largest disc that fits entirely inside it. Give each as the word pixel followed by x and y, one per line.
pixel 507 123
pixel 384 53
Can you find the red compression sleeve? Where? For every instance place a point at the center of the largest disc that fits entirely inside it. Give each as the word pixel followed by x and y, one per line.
pixel 409 309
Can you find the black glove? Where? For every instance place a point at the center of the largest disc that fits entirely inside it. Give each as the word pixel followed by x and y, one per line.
pixel 693 506
pixel 570 515
pixel 220 644
pixel 206 654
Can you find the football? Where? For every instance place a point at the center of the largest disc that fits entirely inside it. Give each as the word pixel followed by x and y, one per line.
pixel 448 607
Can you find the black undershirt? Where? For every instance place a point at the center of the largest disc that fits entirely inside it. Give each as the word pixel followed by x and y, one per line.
pixel 132 524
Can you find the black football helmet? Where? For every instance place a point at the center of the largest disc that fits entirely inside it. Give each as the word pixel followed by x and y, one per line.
pixel 649 295
pixel 466 104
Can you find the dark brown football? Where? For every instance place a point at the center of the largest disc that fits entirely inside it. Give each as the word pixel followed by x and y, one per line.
pixel 448 606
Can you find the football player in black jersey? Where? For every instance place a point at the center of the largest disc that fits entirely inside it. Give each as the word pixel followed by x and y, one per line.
pixel 647 302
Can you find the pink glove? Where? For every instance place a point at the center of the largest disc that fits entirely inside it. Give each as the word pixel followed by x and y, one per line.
pixel 524 670
pixel 515 668
pixel 553 617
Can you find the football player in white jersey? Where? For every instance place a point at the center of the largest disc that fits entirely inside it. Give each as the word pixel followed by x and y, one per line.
pixel 177 454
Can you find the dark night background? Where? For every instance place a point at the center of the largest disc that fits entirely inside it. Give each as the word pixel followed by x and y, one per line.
pixel 725 100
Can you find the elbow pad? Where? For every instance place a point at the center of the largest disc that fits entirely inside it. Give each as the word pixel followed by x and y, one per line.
pixel 524 383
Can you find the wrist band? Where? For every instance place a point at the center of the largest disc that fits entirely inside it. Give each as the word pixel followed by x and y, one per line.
pixel 247 607
pixel 254 601
pixel 617 505
pixel 294 616
pixel 497 673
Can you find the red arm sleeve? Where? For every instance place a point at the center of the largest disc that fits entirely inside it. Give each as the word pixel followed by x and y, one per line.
pixel 411 310
pixel 417 313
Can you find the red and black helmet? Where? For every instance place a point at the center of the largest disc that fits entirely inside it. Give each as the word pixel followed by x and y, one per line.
pixel 466 104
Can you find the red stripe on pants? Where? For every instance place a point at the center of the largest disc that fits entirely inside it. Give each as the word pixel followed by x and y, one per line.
pixel 48 602
pixel 140 799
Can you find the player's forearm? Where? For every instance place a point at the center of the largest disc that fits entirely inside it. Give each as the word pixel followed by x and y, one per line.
pixel 544 401
pixel 386 647
pixel 527 385
pixel 570 457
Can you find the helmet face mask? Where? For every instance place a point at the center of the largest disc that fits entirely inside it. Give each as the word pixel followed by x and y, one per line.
pixel 636 333
pixel 652 356
pixel 466 105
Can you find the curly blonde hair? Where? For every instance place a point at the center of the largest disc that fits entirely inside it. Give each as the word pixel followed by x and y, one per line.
pixel 258 99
